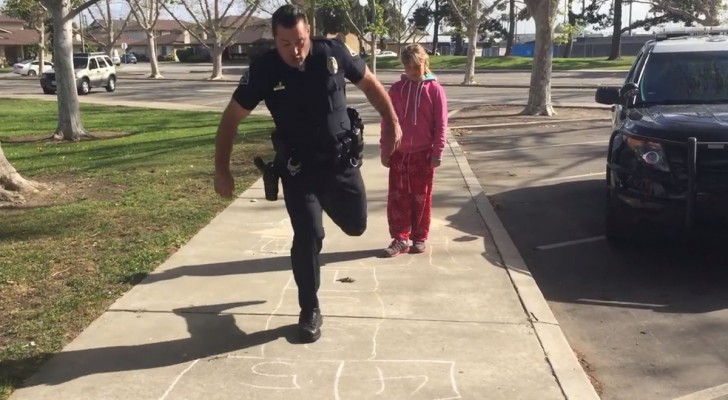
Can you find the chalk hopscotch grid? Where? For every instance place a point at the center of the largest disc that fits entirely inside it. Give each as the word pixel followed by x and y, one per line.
pixel 280 242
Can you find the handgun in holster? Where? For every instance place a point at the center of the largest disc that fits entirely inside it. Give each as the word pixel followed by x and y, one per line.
pixel 270 178
pixel 354 139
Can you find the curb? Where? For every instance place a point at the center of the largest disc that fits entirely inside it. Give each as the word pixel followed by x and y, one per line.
pixel 481 85
pixel 567 370
pixel 137 77
pixel 530 123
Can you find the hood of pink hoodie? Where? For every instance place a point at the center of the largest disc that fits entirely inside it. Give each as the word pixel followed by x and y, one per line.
pixel 411 94
pixel 414 102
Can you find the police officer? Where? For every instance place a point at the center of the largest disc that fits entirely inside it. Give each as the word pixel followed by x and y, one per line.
pixel 302 82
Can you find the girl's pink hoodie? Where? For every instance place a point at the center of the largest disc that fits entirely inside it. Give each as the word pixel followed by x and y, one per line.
pixel 422 111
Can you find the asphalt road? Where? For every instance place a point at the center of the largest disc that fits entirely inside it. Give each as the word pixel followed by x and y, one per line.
pixel 215 95
pixel 651 322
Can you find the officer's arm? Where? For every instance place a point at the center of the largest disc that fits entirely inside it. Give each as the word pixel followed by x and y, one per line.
pixel 377 96
pixel 246 97
pixel 226 131
pixel 356 71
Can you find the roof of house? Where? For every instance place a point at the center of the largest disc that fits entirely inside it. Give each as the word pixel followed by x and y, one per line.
pixel 6 19
pixel 24 37
pixel 165 40
pixel 232 21
pixel 102 25
pixel 161 25
pixel 253 33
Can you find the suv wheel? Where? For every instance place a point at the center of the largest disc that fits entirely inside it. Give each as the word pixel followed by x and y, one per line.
pixel 84 87
pixel 111 86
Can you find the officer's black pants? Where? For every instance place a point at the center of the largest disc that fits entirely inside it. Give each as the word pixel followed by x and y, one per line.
pixel 341 194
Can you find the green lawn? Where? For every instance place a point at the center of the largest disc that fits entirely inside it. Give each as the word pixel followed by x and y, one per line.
pixel 518 63
pixel 4 70
pixel 120 206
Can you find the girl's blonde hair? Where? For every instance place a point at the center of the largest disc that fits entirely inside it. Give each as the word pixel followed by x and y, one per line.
pixel 416 54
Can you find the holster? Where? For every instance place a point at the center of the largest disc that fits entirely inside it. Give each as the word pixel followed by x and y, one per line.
pixel 350 147
pixel 270 178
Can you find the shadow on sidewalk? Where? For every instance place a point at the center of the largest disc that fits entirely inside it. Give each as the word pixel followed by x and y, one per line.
pixel 211 333
pixel 249 266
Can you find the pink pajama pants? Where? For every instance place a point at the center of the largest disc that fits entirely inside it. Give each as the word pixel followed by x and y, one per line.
pixel 409 202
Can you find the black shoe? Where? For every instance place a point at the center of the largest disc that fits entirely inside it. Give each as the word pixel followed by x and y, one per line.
pixel 309 325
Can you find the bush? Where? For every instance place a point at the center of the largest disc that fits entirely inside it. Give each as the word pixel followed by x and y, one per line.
pixel 183 55
pixel 204 57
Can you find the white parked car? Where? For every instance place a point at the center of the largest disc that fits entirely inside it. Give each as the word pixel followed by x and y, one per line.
pixel 386 53
pixel 30 67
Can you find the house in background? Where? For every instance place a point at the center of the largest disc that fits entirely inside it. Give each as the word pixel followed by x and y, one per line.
pixel 169 33
pixel 251 41
pixel 15 40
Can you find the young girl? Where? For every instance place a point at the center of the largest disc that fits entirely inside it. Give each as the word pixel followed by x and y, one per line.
pixel 421 107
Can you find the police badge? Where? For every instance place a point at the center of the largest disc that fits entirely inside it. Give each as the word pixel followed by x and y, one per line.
pixel 332 65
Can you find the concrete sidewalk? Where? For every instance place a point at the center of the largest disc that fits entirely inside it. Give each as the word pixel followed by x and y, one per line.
pixel 217 320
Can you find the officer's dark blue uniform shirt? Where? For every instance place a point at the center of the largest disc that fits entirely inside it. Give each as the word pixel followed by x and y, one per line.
pixel 309 106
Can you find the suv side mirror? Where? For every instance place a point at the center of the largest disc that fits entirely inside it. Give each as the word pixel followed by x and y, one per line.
pixel 609 95
pixel 629 90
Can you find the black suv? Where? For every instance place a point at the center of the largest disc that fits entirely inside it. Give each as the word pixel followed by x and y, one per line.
pixel 668 152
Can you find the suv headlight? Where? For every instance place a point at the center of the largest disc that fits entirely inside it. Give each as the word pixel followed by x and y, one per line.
pixel 649 153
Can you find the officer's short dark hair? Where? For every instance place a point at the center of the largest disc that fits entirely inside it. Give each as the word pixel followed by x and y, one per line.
pixel 288 16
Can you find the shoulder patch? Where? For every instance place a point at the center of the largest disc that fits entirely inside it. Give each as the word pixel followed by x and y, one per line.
pixel 245 79
pixel 332 65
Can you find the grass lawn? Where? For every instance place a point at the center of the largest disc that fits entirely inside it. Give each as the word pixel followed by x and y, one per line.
pixel 518 63
pixel 4 70
pixel 120 205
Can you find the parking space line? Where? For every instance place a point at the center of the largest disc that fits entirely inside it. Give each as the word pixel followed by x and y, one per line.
pixel 616 303
pixel 539 147
pixel 570 243
pixel 713 393
pixel 568 178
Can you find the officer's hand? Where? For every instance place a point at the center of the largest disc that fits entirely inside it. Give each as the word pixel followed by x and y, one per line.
pixel 385 160
pixel 394 135
pixel 224 184
pixel 435 162
pixel 397 135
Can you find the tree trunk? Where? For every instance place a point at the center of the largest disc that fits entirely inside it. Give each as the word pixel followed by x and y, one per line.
pixel 41 50
pixel 110 32
pixel 472 30
pixel 569 48
pixel 616 52
pixel 373 65
pixel 12 185
pixel 539 94
pixel 458 44
pixel 69 113
pixel 436 28
pixel 217 51
pixel 153 62
pixel 511 27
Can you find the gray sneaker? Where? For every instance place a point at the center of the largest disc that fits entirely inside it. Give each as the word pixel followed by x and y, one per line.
pixel 418 247
pixel 396 248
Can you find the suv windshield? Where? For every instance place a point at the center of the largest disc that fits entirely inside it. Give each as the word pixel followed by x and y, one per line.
pixel 686 77
pixel 80 63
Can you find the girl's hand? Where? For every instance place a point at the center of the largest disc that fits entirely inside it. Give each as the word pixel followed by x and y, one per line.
pixel 435 162
pixel 385 160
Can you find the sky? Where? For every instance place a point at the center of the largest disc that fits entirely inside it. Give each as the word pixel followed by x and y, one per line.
pixel 523 27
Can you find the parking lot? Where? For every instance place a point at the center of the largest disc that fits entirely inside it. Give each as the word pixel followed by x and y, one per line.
pixel 649 322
